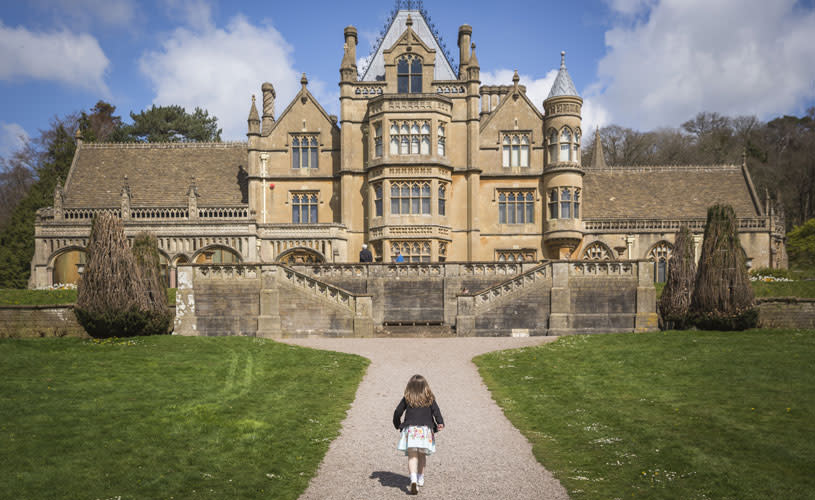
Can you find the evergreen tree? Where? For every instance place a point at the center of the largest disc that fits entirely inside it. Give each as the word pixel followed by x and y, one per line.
pixel 722 297
pixel 173 124
pixel 676 296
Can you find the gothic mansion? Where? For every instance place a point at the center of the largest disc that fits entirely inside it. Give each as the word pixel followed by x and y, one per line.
pixel 423 160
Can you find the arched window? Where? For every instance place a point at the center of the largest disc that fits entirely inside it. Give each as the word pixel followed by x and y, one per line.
pixel 304 208
pixel 564 203
pixel 410 198
pixel 442 150
pixel 552 146
pixel 565 145
pixel 217 256
pixel 66 267
pixel 442 199
pixel 597 251
pixel 576 154
pixel 661 254
pixel 378 200
pixel 394 139
pixel 516 207
pixel 416 251
pixel 515 150
pixel 304 152
pixel 410 138
pixel 409 75
pixel 378 140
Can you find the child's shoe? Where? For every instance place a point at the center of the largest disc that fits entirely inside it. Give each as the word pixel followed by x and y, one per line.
pixel 420 480
pixel 413 490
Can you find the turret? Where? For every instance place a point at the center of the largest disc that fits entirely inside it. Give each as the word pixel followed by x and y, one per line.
pixel 348 67
pixel 563 175
pixel 253 120
pixel 268 107
pixel 464 34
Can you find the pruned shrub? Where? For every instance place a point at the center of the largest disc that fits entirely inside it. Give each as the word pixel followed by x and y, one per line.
pixel 722 296
pixel 145 251
pixel 112 297
pixel 674 304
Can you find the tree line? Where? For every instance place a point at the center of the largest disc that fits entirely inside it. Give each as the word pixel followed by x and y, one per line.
pixel 780 153
pixel 30 175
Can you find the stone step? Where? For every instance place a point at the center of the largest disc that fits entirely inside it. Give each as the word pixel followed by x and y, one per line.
pixel 419 331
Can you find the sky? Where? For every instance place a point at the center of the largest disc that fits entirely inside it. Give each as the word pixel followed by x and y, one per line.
pixel 642 64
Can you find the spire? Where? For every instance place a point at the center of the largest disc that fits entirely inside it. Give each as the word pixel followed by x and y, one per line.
pixel 563 85
pixel 473 63
pixel 254 118
pixel 598 157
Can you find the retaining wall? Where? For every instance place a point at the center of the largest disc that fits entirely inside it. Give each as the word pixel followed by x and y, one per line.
pixel 39 321
pixel 786 312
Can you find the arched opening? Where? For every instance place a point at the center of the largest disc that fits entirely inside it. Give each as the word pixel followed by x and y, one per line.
pixel 217 255
pixel 173 271
pixel 661 254
pixel 66 266
pixel 597 251
pixel 300 256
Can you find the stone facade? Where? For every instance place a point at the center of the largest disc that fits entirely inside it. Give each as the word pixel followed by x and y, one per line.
pixel 423 160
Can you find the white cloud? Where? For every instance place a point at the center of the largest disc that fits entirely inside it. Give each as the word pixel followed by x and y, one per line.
pixel 537 89
pixel 195 13
pixel 61 56
pixel 218 69
pixel 12 138
pixel 735 57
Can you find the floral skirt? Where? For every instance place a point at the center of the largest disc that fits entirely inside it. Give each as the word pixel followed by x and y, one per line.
pixel 420 438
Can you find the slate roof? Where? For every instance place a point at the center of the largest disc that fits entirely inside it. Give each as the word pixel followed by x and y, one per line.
pixel 376 68
pixel 664 192
pixel 563 84
pixel 158 174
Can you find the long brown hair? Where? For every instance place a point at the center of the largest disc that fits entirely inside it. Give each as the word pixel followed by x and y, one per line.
pixel 418 393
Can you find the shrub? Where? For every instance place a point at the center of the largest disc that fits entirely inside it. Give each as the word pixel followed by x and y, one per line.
pixel 675 300
pixel 112 297
pixel 722 297
pixel 145 251
pixel 801 245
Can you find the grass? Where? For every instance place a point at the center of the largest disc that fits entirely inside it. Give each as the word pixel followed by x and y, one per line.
pixel 9 297
pixel 168 417
pixel 802 289
pixel 668 415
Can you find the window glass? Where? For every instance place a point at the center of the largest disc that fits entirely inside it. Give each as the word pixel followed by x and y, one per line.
pixel 553 201
pixel 378 200
pixel 425 146
pixel 442 200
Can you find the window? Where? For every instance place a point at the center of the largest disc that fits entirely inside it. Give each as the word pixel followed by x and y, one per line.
pixel 304 208
pixel 516 207
pixel 564 203
pixel 597 251
pixel 552 146
pixel 661 255
pixel 378 140
pixel 442 199
pixel 304 152
pixel 217 256
pixel 410 198
pixel 516 150
pixel 442 251
pixel 442 150
pixel 412 251
pixel 409 75
pixel 410 138
pixel 565 145
pixel 526 255
pixel 378 200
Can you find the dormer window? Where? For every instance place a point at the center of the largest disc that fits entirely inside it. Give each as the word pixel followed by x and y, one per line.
pixel 409 75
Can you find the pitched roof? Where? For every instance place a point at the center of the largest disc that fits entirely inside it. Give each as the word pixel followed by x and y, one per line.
pixel 665 192
pixel 376 66
pixel 563 84
pixel 158 174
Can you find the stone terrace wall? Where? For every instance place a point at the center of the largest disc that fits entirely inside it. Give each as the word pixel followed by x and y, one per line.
pixel 39 321
pixel 786 312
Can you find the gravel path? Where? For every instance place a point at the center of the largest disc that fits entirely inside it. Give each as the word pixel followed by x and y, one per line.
pixel 479 454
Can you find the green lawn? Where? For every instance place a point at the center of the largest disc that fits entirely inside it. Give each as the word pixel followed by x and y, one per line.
pixel 167 417
pixel 667 415
pixel 10 297
pixel 804 289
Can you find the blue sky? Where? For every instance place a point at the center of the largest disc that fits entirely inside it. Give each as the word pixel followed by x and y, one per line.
pixel 639 63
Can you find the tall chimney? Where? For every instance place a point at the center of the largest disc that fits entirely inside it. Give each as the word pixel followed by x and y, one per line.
pixel 268 107
pixel 348 68
pixel 464 34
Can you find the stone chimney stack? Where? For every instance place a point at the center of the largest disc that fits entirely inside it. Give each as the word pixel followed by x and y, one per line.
pixel 268 107
pixel 465 32
pixel 348 68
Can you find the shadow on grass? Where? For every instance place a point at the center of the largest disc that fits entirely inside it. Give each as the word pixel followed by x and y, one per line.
pixel 391 479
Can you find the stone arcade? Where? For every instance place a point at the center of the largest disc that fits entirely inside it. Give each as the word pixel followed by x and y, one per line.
pixel 424 161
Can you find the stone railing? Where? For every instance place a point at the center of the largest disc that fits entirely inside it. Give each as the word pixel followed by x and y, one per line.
pixel 159 213
pixel 88 213
pixel 533 276
pixel 746 224
pixel 594 268
pixel 234 213
pixel 320 288
pixel 227 271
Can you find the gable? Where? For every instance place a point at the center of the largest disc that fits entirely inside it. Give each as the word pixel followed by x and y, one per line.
pixel 303 114
pixel 514 112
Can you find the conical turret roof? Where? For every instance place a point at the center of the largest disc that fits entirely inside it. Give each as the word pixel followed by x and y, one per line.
pixel 563 82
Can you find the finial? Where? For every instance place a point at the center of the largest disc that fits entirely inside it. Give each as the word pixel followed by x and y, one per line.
pixel 516 78
pixel 563 59
pixel 253 99
pixel 304 81
pixel 409 21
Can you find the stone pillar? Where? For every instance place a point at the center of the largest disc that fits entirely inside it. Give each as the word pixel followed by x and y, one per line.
pixel 561 301
pixel 269 318
pixel 646 319
pixel 363 320
pixel 465 319
pixel 185 314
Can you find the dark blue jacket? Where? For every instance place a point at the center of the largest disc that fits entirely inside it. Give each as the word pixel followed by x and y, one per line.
pixel 429 416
